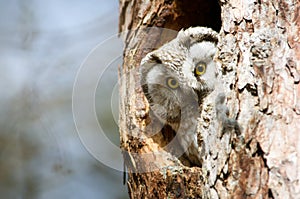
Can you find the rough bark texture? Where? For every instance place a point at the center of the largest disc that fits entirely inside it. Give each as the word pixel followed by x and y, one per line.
pixel 259 55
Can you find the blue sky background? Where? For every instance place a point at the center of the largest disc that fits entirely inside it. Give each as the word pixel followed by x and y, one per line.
pixel 42 46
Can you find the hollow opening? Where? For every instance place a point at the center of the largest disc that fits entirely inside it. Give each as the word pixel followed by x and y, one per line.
pixel 195 13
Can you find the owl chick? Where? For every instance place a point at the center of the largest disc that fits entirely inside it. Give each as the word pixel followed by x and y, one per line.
pixel 176 78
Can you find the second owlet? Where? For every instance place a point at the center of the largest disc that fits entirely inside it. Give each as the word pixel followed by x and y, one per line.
pixel 176 78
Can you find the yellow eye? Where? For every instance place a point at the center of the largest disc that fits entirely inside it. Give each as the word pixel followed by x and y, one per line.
pixel 200 69
pixel 172 83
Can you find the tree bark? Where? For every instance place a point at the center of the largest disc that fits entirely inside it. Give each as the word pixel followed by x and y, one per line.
pixel 259 55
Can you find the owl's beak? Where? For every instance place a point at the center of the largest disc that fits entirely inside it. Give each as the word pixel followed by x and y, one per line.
pixel 200 93
pixel 197 91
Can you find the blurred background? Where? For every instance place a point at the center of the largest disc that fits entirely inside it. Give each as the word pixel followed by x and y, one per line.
pixel 42 46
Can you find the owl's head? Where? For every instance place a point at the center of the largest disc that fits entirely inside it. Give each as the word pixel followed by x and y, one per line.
pixel 181 73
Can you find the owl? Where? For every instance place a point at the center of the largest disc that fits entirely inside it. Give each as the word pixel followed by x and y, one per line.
pixel 176 79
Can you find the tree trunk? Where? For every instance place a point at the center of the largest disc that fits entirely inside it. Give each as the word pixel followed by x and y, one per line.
pixel 259 55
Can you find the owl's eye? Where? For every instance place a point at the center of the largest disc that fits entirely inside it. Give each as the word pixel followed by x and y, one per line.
pixel 200 69
pixel 172 83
